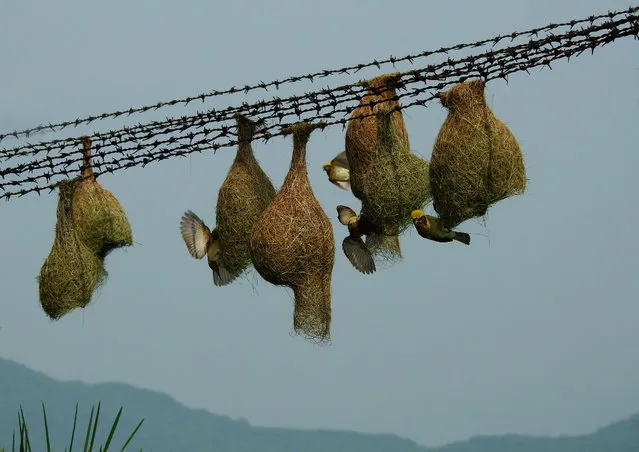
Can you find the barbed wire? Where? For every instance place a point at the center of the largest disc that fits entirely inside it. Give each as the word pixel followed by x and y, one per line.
pixel 277 107
pixel 113 156
pixel 411 58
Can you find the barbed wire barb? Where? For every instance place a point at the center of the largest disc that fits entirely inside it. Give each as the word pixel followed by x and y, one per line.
pixel 310 77
pixel 34 167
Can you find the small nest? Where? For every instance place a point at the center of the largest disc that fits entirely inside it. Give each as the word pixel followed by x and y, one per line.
pixel 476 160
pixel 292 243
pixel 100 220
pixel 72 271
pixel 242 198
pixel 390 181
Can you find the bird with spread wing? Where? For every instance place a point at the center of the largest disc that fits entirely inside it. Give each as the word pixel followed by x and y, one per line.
pixel 201 241
pixel 353 246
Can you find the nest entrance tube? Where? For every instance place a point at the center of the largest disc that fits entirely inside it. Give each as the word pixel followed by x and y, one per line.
pixel 292 243
pixel 242 197
pixel 386 176
pixel 476 159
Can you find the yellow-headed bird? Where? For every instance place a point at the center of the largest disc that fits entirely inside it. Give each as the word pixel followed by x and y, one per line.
pixel 200 241
pixel 353 246
pixel 431 228
pixel 338 171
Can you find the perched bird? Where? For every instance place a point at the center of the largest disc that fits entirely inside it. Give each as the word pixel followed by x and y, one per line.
pixel 353 246
pixel 431 228
pixel 338 171
pixel 200 241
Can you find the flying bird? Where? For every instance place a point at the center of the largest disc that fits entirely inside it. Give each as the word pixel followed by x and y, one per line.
pixel 338 171
pixel 201 241
pixel 353 246
pixel 432 228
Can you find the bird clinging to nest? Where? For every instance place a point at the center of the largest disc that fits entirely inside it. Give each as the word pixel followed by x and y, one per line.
pixel 432 228
pixel 200 241
pixel 353 246
pixel 338 171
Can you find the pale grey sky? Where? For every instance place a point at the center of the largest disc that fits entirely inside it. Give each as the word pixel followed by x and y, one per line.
pixel 531 330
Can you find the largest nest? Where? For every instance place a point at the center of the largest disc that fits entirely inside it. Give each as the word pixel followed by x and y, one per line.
pixel 292 244
pixel 242 198
pixel 476 159
pixel 385 175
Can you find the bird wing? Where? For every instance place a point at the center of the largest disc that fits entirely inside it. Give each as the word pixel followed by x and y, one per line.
pixel 341 160
pixel 345 214
pixel 195 233
pixel 344 185
pixel 358 254
pixel 221 276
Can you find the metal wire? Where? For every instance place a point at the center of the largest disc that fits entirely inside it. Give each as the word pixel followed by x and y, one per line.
pixel 312 76
pixel 50 161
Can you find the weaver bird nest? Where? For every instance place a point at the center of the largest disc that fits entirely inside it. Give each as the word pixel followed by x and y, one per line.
pixel 385 175
pixel 292 243
pixel 476 160
pixel 90 224
pixel 242 198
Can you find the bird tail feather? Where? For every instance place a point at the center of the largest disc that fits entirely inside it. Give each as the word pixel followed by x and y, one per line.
pixel 462 237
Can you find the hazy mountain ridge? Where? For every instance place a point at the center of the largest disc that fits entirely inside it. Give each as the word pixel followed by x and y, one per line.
pixel 171 426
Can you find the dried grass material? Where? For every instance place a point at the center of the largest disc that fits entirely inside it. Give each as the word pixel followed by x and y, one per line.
pixel 100 221
pixel 242 198
pixel 361 141
pixel 71 272
pixel 390 181
pixel 310 317
pixel 476 160
pixel 385 249
pixel 292 243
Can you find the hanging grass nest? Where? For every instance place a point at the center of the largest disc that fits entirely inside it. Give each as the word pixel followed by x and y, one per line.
pixel 292 243
pixel 100 221
pixel 385 175
pixel 476 160
pixel 242 198
pixel 72 271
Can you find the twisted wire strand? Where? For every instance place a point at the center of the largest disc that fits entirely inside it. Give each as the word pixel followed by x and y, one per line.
pixel 411 58
pixel 113 156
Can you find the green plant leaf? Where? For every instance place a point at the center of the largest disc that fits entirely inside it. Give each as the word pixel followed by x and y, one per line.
pixel 113 427
pixel 86 438
pixel 46 427
pixel 95 427
pixel 132 435
pixel 75 420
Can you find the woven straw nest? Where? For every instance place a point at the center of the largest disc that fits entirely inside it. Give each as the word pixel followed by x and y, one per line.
pixel 292 243
pixel 385 175
pixel 476 160
pixel 90 224
pixel 242 198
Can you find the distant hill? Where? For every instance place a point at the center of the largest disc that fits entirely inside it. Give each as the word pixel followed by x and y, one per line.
pixel 619 437
pixel 171 427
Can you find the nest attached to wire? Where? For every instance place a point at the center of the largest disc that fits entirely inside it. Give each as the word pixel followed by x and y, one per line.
pixel 242 198
pixel 100 221
pixel 476 160
pixel 292 243
pixel 72 271
pixel 385 175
